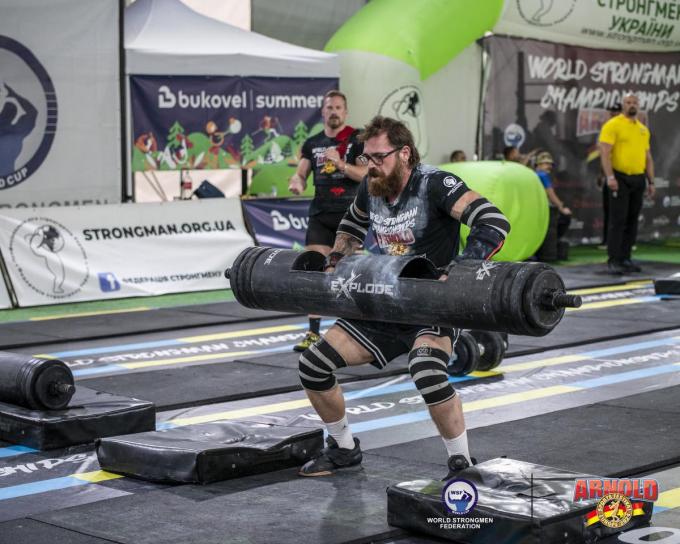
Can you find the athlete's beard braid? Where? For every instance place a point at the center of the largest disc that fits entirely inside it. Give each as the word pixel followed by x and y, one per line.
pixel 385 186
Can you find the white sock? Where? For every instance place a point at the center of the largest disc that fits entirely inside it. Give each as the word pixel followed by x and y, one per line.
pixel 340 431
pixel 458 446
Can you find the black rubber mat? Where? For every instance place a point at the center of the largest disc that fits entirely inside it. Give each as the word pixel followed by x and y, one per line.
pixel 589 275
pixel 290 360
pixel 20 334
pixel 232 309
pixel 31 333
pixel 30 531
pixel 644 314
pixel 607 324
pixel 620 437
pixel 171 388
pixel 278 507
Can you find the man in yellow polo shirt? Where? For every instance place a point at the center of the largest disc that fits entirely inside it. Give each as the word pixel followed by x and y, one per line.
pixel 628 165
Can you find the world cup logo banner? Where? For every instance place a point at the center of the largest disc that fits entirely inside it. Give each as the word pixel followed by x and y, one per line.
pixel 28 113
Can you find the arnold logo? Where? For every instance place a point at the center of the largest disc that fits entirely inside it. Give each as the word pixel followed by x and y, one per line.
pixel 49 258
pixel 28 113
pixel 348 286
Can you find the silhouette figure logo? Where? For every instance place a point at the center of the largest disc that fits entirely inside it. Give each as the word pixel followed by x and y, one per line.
pixel 545 12
pixel 28 113
pixel 49 258
pixel 406 104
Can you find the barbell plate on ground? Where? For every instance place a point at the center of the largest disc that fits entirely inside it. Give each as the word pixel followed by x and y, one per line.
pixel 492 349
pixel 465 356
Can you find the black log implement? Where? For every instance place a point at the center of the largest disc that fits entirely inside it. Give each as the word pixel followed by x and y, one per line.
pixel 518 298
pixel 38 384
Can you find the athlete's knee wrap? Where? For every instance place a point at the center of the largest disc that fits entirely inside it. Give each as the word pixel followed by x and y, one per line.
pixel 317 364
pixel 428 369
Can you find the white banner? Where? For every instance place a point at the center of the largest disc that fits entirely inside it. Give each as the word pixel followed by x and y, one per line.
pixel 636 25
pixel 5 301
pixel 125 250
pixel 59 103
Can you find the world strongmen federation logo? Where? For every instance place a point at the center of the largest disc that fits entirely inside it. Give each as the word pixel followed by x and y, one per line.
pixel 460 496
pixel 28 113
pixel 49 258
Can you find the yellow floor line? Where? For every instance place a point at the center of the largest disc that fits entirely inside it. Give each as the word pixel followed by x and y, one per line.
pixel 87 314
pixel 669 499
pixel 552 361
pixel 238 334
pixel 514 398
pixel 503 400
pixel 611 288
pixel 607 304
pixel 244 412
pixel 96 476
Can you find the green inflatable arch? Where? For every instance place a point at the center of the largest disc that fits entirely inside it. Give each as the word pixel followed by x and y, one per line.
pixel 424 34
pixel 518 192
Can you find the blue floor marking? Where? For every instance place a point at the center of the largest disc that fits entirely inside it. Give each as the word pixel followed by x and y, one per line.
pixel 626 376
pixel 154 344
pixel 12 451
pixel 43 486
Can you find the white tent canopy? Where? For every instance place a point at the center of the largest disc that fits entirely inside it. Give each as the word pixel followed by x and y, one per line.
pixel 165 37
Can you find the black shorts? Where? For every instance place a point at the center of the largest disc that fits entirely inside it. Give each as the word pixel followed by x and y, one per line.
pixel 386 341
pixel 322 228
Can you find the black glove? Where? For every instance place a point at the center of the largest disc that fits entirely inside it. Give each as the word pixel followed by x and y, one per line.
pixel 483 242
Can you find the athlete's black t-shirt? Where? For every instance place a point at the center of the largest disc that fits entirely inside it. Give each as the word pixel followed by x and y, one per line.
pixel 419 222
pixel 334 191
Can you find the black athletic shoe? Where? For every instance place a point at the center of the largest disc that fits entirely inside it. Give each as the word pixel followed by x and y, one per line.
pixel 630 266
pixel 615 268
pixel 457 463
pixel 332 458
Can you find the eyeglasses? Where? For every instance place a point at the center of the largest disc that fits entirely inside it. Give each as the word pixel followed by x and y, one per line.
pixel 375 158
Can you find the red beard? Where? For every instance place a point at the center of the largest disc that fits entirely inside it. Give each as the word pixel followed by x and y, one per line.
pixel 385 186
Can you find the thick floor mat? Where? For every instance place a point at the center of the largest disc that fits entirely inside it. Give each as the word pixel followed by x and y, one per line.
pixel 615 438
pixel 278 507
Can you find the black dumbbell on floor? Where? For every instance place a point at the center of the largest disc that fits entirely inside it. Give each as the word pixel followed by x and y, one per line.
pixel 477 350
pixel 492 348
pixel 465 357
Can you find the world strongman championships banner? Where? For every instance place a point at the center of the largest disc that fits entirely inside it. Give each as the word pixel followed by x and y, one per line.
pixel 555 97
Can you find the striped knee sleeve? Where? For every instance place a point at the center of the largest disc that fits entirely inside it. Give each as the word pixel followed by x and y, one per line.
pixel 428 369
pixel 317 364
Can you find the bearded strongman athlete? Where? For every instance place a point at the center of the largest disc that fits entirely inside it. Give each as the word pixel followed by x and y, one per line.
pixel 413 209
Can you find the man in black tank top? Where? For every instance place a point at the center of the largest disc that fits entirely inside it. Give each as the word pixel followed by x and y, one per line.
pixel 413 209
pixel 331 156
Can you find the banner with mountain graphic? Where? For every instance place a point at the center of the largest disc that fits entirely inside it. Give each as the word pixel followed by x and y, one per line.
pixel 209 123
